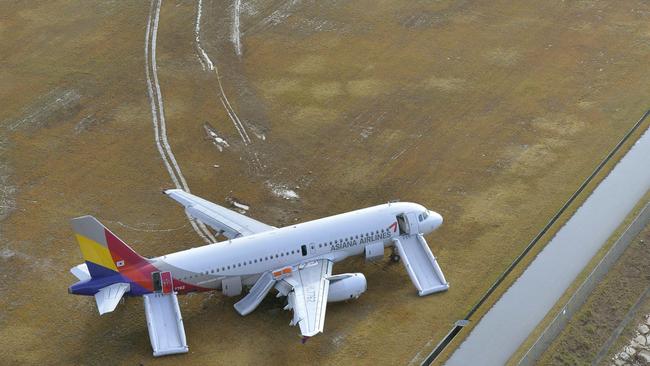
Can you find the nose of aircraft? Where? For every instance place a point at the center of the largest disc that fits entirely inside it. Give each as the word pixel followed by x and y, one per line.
pixel 436 220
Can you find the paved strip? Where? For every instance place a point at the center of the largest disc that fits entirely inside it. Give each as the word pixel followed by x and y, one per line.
pixel 509 322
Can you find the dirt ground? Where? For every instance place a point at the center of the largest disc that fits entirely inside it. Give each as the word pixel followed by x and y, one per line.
pixel 590 328
pixel 490 113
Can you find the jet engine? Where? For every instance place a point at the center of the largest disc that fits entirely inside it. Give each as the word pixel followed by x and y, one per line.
pixel 346 286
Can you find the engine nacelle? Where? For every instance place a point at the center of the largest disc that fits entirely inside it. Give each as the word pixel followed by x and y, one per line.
pixel 346 286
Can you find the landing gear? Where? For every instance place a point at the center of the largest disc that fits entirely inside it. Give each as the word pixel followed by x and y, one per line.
pixel 394 257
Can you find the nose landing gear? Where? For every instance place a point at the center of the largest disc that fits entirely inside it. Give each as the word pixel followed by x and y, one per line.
pixel 394 256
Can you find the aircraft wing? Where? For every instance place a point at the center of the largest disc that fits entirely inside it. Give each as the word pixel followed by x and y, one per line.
pixel 308 297
pixel 230 223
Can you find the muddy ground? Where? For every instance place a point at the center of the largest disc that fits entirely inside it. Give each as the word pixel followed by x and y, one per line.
pixel 490 113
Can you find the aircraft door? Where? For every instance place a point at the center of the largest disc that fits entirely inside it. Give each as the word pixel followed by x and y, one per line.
pixel 402 225
pixel 167 282
pixel 408 224
pixel 412 222
pixel 156 281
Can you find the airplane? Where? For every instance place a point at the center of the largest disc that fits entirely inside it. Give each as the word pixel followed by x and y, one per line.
pixel 296 260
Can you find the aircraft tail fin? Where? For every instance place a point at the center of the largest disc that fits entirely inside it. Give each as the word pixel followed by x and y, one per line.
pixel 105 254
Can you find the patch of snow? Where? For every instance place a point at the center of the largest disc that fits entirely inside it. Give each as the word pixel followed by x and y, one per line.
pixel 7 253
pixel 260 136
pixel 283 191
pixel 54 106
pixel 249 9
pixel 366 132
pixel 85 123
pixel 279 15
pixel 7 190
pixel 218 141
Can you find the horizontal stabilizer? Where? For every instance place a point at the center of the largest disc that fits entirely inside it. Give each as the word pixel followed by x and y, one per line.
pixel 108 297
pixel 81 272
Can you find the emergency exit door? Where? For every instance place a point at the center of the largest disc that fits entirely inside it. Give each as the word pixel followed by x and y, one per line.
pixel 162 282
pixel 167 282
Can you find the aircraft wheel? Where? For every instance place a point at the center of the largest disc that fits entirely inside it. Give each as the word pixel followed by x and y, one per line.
pixel 395 258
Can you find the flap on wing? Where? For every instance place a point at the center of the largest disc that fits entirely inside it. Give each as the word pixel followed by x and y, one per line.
pixel 230 223
pixel 81 272
pixel 108 297
pixel 309 296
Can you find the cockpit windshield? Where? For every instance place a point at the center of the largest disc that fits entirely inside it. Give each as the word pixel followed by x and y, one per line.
pixel 423 216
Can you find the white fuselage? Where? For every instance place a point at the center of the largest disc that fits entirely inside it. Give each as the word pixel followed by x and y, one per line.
pixel 334 238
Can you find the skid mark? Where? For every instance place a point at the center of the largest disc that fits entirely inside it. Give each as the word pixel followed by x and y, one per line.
pixel 158 114
pixel 236 38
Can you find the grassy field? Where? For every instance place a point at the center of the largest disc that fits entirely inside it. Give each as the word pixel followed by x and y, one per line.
pixel 630 330
pixel 490 113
